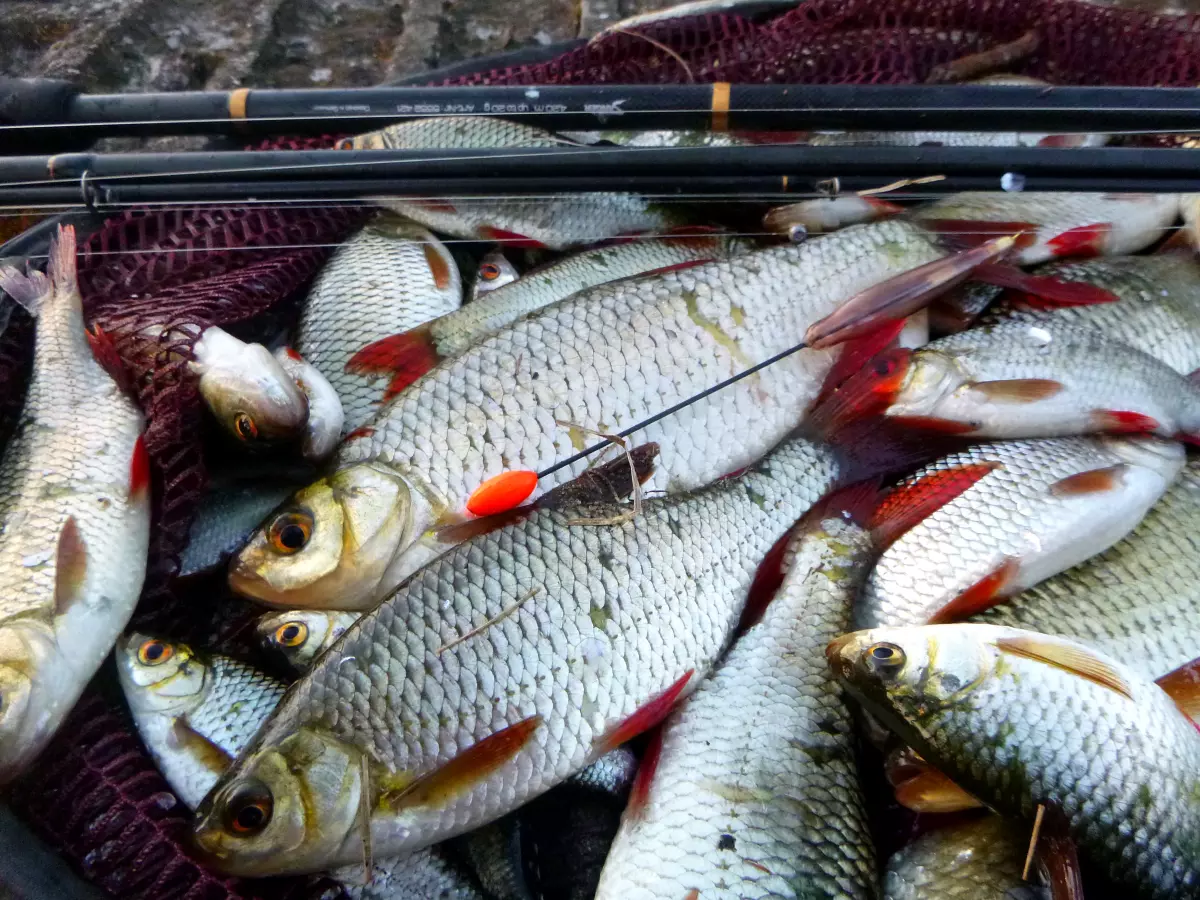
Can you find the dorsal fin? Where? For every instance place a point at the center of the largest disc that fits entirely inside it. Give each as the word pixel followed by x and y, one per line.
pixel 1071 658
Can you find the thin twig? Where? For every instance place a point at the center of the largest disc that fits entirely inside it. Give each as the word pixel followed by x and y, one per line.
pixel 661 46
pixel 503 614
pixel 1033 839
pixel 364 813
pixel 634 511
pixel 896 185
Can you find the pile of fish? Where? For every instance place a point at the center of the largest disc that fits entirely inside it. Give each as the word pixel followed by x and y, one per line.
pixel 939 558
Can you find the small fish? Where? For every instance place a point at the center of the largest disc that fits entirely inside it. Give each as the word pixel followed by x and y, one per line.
pixel 824 214
pixel 301 635
pixel 1024 379
pixel 495 271
pixel 565 372
pixel 980 859
pixel 1139 600
pixel 451 334
pixel 1059 224
pixel 325 415
pixel 74 514
pixel 577 604
pixel 391 276
pixel 247 390
pixel 565 221
pixel 751 788
pixel 1021 719
pixel 990 521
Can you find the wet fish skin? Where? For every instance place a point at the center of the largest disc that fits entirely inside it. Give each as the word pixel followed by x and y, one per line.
pixel 1047 378
pixel 1135 220
pixel 227 515
pixel 301 635
pixel 457 331
pixel 557 224
pixel 825 214
pixel 494 272
pixel 390 277
pixel 1121 761
pixel 1158 310
pixel 74 517
pixel 755 792
pixel 1013 513
pixel 325 414
pixel 978 860
pixel 599 360
pixel 684 566
pixel 248 392
pixel 193 714
pixel 1138 601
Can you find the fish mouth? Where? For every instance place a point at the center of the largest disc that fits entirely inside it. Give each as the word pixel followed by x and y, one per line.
pixel 840 656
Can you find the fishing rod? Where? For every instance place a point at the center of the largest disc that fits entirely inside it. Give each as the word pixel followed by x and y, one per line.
pixel 34 107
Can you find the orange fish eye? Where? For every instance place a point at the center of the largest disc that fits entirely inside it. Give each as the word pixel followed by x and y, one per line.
pixel 489 271
pixel 502 492
pixel 249 809
pixel 154 653
pixel 289 533
pixel 246 429
pixel 291 634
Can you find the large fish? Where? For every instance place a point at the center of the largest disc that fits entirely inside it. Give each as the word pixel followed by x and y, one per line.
pixel 557 222
pixel 980 859
pixel 1024 379
pixel 1061 224
pixel 1021 719
pixel 751 790
pixel 1138 601
pixel 1157 311
pixel 74 516
pixel 992 520
pixel 540 389
pixel 195 714
pixel 501 669
pixel 390 277
pixel 451 334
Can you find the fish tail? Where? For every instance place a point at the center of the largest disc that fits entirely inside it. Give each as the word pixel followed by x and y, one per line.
pixel 32 290
pixel 29 291
pixel 62 267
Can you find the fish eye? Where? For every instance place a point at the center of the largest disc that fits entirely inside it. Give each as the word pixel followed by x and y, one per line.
pixel 291 634
pixel 489 271
pixel 248 810
pixel 245 426
pixel 291 531
pixel 884 658
pixel 154 653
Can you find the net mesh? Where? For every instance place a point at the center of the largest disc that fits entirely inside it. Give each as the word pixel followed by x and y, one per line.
pixel 147 277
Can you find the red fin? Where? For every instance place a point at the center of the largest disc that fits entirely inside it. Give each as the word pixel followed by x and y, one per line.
pixel 984 594
pixel 866 393
pixel 406 357
pixel 1093 481
pixel 1057 859
pixel 649 715
pixel 913 502
pixel 924 789
pixel 932 423
pixel 855 354
pixel 1019 390
pixel 511 238
pixel 438 267
pixel 434 205
pixel 105 353
pixel 1063 140
pixel 502 492
pixel 973 232
pixel 696 237
pixel 293 354
pixel 1118 421
pixel 693 894
pixel 468 768
pixel 1086 240
pixel 1183 686
pixel 1050 291
pixel 675 267
pixel 767 579
pixel 362 431
pixel 139 472
pixel 70 567
pixel 464 531
pixel 639 793
pixel 903 294
pixel 882 207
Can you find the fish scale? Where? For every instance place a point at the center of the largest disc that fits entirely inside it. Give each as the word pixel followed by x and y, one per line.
pixel 755 792
pixel 1139 601
pixel 617 615
pixel 389 278
pixel 1011 513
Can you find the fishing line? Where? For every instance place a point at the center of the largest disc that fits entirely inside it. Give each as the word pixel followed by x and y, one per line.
pixel 683 404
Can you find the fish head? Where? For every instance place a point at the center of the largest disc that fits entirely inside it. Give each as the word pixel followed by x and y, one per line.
pixel 330 543
pixel 903 674
pixel 928 386
pixel 494 271
pixel 290 806
pixel 298 634
pixel 323 426
pixel 248 391
pixel 160 676
pixel 36 692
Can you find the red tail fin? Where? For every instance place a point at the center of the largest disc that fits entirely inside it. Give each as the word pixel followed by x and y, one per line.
pixel 1052 291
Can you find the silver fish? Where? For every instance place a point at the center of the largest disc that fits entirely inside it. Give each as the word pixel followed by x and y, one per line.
pixel 495 271
pixel 325 414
